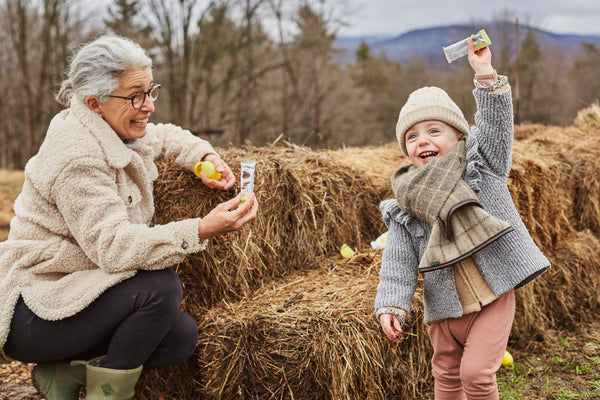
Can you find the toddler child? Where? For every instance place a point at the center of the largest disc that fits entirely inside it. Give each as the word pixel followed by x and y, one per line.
pixel 453 220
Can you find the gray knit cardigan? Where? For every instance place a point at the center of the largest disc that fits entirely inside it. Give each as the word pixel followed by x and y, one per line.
pixel 510 262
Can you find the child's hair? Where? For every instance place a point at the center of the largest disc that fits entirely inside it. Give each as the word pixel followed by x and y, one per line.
pixel 429 103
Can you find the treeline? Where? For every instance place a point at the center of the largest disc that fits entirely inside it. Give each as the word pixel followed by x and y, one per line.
pixel 227 78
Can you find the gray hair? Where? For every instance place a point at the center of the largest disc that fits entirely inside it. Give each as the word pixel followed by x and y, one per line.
pixel 96 68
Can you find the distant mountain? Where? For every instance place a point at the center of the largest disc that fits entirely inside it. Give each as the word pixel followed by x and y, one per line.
pixel 428 43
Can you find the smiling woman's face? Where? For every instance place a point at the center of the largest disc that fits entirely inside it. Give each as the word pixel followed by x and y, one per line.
pixel 128 122
pixel 426 140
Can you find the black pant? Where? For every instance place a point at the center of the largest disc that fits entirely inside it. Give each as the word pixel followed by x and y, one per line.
pixel 137 321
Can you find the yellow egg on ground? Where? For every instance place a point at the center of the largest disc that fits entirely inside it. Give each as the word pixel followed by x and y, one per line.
pixel 507 359
pixel 346 251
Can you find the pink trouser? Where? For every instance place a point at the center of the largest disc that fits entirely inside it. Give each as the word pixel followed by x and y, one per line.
pixel 467 351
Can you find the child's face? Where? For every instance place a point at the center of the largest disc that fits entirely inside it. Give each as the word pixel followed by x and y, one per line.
pixel 426 140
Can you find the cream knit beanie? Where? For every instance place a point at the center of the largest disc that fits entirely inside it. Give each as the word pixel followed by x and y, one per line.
pixel 429 103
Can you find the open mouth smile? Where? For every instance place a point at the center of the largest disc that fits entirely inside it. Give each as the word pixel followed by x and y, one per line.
pixel 140 122
pixel 428 155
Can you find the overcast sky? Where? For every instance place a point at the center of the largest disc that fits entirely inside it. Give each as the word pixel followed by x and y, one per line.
pixel 394 17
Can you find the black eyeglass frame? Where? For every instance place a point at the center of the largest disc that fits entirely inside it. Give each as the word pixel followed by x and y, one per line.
pixel 147 93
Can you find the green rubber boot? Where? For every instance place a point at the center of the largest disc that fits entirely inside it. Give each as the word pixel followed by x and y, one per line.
pixel 58 381
pixel 109 384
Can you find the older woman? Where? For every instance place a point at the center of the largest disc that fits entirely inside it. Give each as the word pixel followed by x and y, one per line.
pixel 83 275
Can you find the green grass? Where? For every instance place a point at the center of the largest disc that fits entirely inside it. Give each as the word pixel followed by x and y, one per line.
pixel 563 372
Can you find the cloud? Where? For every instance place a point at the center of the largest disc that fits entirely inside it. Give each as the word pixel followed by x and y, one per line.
pixel 394 17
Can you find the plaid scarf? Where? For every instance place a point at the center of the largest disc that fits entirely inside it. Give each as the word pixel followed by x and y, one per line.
pixel 437 194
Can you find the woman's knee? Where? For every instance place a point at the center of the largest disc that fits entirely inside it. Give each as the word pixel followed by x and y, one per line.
pixel 163 283
pixel 187 333
pixel 178 344
pixel 159 290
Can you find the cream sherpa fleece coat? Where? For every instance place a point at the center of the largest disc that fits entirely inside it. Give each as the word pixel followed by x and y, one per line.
pixel 81 222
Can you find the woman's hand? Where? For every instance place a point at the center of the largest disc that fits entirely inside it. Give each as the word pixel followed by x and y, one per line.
pixel 226 217
pixel 391 327
pixel 480 60
pixel 227 178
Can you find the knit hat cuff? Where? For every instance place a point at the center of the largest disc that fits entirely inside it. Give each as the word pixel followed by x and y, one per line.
pixel 426 113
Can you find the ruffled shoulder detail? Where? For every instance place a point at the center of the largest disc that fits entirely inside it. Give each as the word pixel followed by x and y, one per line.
pixel 474 163
pixel 391 211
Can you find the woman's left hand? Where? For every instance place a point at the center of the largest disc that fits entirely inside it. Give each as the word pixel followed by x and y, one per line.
pixel 227 178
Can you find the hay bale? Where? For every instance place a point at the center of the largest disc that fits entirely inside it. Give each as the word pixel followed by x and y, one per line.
pixel 525 131
pixel 281 315
pixel 376 163
pixel 310 204
pixel 577 149
pixel 542 192
pixel 588 119
pixel 564 296
pixel 310 335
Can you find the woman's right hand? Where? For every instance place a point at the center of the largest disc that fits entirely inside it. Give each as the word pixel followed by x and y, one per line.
pixel 226 217
pixel 392 327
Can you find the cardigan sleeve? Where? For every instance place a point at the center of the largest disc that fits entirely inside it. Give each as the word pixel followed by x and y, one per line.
pixel 494 129
pixel 399 264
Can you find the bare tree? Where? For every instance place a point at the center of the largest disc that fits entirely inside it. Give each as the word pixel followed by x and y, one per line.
pixel 37 34
pixel 585 71
pixel 311 53
pixel 171 21
pixel 125 20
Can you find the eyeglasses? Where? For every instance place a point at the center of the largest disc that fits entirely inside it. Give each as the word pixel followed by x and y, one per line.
pixel 138 99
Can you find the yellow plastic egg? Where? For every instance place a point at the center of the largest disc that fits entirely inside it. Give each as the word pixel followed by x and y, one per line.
pixel 346 251
pixel 209 170
pixel 507 359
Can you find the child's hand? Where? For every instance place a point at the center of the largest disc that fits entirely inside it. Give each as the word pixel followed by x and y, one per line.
pixel 391 327
pixel 480 60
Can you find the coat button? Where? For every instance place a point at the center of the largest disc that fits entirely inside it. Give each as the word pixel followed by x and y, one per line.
pixel 184 245
pixel 130 199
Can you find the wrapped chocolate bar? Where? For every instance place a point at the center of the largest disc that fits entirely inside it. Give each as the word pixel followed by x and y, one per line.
pixel 460 49
pixel 247 178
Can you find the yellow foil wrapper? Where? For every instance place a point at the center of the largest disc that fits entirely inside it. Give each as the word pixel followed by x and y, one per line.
pixel 460 49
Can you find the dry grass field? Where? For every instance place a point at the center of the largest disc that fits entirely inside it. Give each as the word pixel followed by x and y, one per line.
pixel 10 186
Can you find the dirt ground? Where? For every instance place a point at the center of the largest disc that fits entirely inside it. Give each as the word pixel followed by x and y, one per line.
pixel 566 366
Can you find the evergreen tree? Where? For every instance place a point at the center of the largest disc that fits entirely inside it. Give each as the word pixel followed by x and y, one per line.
pixel 312 52
pixel 586 70
pixel 531 105
pixel 363 52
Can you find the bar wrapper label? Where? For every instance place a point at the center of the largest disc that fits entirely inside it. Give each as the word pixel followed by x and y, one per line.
pixel 460 49
pixel 247 178
pixel 379 243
